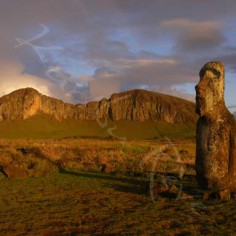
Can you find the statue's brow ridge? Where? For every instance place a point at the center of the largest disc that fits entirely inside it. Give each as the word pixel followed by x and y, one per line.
pixel 213 70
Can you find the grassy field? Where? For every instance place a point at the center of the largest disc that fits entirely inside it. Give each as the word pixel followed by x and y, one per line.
pixel 88 203
pixel 56 187
pixel 45 127
pixel 37 157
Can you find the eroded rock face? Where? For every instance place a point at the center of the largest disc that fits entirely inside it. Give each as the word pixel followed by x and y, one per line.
pixel 26 104
pixel 138 105
pixel 216 129
pixel 134 105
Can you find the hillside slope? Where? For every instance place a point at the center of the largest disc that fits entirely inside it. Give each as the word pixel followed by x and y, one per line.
pixel 41 127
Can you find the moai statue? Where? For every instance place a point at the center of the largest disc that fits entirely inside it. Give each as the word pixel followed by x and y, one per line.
pixel 216 133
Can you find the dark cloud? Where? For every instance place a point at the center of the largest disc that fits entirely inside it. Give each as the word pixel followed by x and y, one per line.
pixel 228 57
pixel 158 75
pixel 201 39
pixel 196 37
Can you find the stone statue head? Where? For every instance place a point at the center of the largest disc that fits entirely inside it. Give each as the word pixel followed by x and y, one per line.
pixel 210 89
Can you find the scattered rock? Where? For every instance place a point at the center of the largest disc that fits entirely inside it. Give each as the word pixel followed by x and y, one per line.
pixel 3 172
pixel 16 173
pixel 106 169
pixel 183 152
pixel 206 196
pixel 23 151
pixel 186 196
pixel 173 189
pixel 220 195
pixel 224 195
pixel 159 188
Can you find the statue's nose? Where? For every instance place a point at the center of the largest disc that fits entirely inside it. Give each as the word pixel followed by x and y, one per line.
pixel 199 90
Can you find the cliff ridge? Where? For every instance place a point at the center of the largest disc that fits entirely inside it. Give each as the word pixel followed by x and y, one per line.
pixel 135 105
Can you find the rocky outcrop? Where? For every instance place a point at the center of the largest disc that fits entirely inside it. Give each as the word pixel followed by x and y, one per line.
pixel 140 105
pixel 134 105
pixel 20 104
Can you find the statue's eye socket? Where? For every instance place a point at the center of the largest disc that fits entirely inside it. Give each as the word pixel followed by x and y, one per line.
pixel 213 73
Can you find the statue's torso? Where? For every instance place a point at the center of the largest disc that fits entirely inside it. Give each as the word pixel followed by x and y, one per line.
pixel 213 149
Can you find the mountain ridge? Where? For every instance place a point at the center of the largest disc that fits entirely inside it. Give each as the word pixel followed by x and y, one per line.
pixel 134 105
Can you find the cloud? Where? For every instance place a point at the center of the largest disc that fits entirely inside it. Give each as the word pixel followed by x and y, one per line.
pixel 172 90
pixel 104 87
pixel 13 78
pixel 158 75
pixel 196 36
pixel 57 85
pixel 159 72
pixel 228 56
pixel 73 90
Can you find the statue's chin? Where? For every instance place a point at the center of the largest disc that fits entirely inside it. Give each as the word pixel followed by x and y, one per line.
pixel 199 106
pixel 200 112
pixel 202 106
pixel 197 110
pixel 204 111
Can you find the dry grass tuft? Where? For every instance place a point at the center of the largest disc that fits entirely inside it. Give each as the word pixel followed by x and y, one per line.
pixel 38 157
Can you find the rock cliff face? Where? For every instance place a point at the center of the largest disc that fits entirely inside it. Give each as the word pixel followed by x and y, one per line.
pixel 134 105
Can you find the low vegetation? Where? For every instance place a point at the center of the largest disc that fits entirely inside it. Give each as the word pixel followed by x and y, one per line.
pixel 43 127
pixel 105 187
pixel 88 203
pixel 38 157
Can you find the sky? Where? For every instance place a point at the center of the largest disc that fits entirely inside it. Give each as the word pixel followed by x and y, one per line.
pixel 83 50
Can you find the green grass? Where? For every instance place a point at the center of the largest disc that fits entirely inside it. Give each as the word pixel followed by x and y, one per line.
pixel 84 203
pixel 72 201
pixel 42 127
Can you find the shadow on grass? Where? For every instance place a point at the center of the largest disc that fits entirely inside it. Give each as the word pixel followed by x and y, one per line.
pixel 95 175
pixel 189 188
pixel 134 185
pixel 121 184
pixel 141 189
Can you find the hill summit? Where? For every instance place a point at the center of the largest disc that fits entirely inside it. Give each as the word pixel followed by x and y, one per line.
pixel 134 105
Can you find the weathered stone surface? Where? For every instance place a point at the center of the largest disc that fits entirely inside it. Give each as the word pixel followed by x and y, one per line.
pixel 134 105
pixel 20 104
pixel 140 105
pixel 216 129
